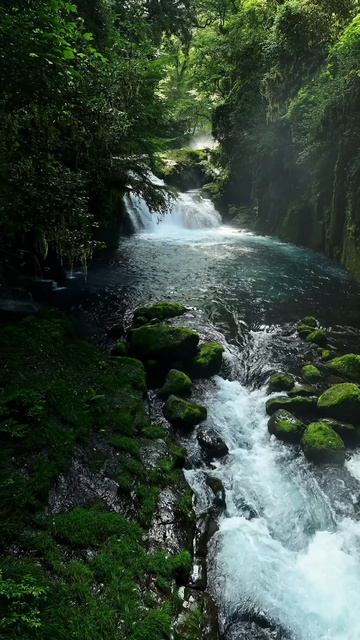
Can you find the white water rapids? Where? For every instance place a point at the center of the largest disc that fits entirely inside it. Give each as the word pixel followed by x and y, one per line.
pixel 288 545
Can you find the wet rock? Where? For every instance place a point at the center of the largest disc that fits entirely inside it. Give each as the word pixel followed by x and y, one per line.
pixel 299 405
pixel 218 490
pixel 120 349
pixel 116 331
pixel 176 383
pixel 152 452
pixel 208 360
pixel 347 366
pixel 198 617
pixel 285 426
pixel 322 444
pixel 11 310
pixel 349 434
pixel 182 413
pixel 302 390
pixel 341 401
pixel 310 373
pixel 160 311
pixel 163 343
pixel 281 382
pixel 250 630
pixel 211 444
pixel 304 330
pixel 166 532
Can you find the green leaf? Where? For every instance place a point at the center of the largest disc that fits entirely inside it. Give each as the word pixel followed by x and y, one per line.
pixel 68 54
pixel 88 36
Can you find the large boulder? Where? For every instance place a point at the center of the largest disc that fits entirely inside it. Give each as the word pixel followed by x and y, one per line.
pixel 300 405
pixel 182 413
pixel 310 373
pixel 347 366
pixel 347 431
pixel 341 401
pixel 161 311
pixel 177 383
pixel 310 321
pixel 285 426
pixel 322 444
pixel 208 360
pixel 302 390
pixel 281 382
pixel 162 342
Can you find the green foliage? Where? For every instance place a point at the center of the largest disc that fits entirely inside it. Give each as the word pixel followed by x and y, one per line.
pixel 20 601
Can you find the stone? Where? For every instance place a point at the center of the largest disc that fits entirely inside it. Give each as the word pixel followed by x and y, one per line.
pixel 317 337
pixel 211 444
pixel 163 342
pixel 299 405
pixel 160 311
pixel 182 413
pixel 208 360
pixel 310 373
pixel 341 401
pixel 322 444
pixel 285 426
pixel 281 382
pixel 348 432
pixel 302 390
pixel 177 383
pixel 120 349
pixel 303 330
pixel 116 331
pixel 326 354
pixel 347 366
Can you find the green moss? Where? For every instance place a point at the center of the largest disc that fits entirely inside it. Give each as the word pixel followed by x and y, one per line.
pixel 120 349
pixel 347 366
pixel 154 431
pixel 302 390
pixel 300 405
pixel 281 382
pixel 317 337
pixel 285 426
pixel 124 443
pixel 326 354
pixel 322 444
pixel 182 413
pixel 163 342
pixel 208 360
pixel 341 401
pixel 310 321
pixel 176 383
pixel 304 330
pixel 161 311
pixel 349 434
pixel 311 373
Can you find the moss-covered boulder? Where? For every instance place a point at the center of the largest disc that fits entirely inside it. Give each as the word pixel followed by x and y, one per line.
pixel 285 426
pixel 310 373
pixel 318 336
pixel 120 349
pixel 304 330
pixel 161 311
pixel 281 382
pixel 322 444
pixel 302 390
pixel 182 413
pixel 208 360
pixel 341 401
pixel 299 405
pixel 163 342
pixel 177 383
pixel 326 354
pixel 348 432
pixel 347 366
pixel 310 321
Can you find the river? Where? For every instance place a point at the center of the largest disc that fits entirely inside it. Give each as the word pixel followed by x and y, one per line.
pixel 285 562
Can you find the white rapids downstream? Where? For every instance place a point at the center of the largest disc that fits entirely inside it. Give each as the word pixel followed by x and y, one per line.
pixel 288 546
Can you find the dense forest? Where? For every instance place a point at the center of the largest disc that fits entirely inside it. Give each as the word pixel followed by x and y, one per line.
pixel 92 91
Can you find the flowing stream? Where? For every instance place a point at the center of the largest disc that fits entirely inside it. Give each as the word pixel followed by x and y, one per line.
pixel 285 562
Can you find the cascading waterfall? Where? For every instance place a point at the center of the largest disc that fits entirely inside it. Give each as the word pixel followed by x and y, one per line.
pixel 188 211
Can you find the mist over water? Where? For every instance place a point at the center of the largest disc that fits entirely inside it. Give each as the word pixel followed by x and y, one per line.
pixel 288 545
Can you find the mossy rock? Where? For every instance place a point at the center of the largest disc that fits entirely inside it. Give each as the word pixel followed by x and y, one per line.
pixel 177 383
pixel 120 349
pixel 341 401
pixel 347 366
pixel 208 360
pixel 116 331
pixel 317 337
pixel 302 390
pixel 299 405
pixel 310 373
pixel 160 311
pixel 182 413
pixel 285 426
pixel 310 321
pixel 322 444
pixel 304 331
pixel 163 342
pixel 326 354
pixel 281 382
pixel 348 432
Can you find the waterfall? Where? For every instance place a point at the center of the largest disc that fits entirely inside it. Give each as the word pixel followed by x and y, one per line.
pixel 190 210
